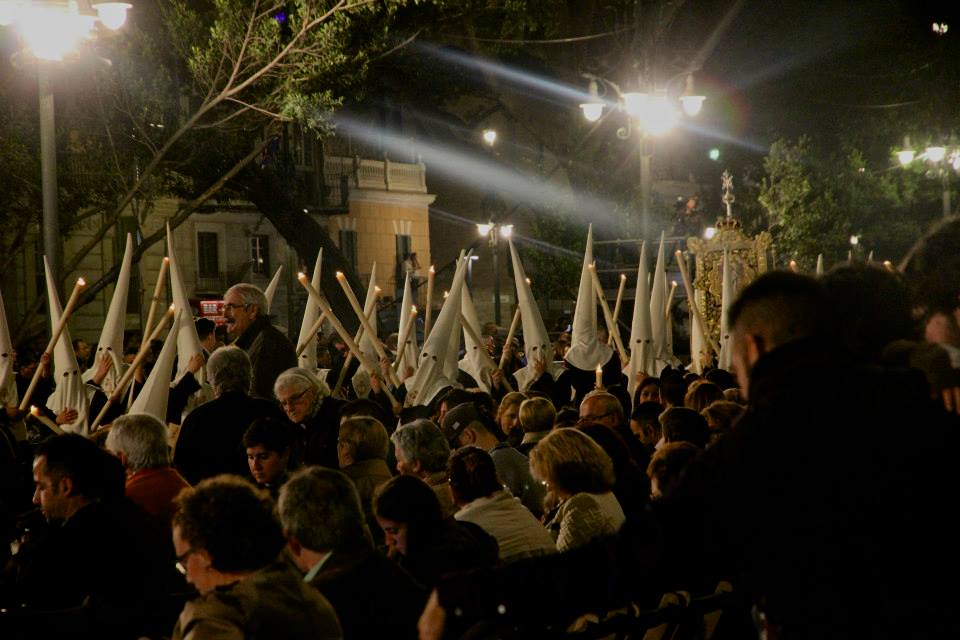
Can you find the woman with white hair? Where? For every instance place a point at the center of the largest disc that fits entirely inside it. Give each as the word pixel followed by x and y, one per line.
pixel 307 402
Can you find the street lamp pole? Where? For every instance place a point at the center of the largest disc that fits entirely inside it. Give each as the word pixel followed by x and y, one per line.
pixel 48 172
pixel 495 246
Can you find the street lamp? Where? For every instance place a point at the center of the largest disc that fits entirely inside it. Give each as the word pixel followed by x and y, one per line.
pixel 50 29
pixel 493 231
pixel 651 111
pixel 941 160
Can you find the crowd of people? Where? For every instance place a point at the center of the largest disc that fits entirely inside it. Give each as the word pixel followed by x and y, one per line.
pixel 815 478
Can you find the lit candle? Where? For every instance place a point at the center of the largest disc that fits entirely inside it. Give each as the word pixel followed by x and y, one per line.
pixel 35 412
pixel 599 384
pixel 151 314
pixel 793 266
pixel 428 317
pixel 509 343
pixel 616 307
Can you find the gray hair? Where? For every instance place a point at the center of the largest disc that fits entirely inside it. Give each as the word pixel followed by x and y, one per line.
pixel 422 440
pixel 142 439
pixel 250 294
pixel 367 436
pixel 298 379
pixel 321 509
pixel 229 369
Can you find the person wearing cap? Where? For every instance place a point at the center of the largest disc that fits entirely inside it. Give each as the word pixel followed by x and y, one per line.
pixel 466 424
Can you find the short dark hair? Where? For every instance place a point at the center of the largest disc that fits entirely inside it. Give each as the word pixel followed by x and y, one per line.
pixel 700 394
pixel 472 474
pixel 783 305
pixel 269 433
pixel 205 326
pixel 647 412
pixel 233 521
pixel 680 424
pixel 369 408
pixel 321 508
pixel 673 389
pixel 454 397
pixel 721 377
pixel 668 463
pixel 95 474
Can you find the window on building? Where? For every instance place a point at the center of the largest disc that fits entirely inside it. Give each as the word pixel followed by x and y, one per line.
pixel 260 254
pixel 348 246
pixel 208 254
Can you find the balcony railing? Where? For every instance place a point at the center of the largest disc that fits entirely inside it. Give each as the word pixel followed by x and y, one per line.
pixel 382 175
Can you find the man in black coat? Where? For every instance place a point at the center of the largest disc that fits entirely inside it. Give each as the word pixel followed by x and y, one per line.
pixel 248 323
pixel 327 535
pixel 814 507
pixel 101 568
pixel 211 437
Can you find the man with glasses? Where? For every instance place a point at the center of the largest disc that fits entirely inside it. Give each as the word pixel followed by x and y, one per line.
pixel 248 324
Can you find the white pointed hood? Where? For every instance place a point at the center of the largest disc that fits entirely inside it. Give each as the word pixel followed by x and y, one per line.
pixel 433 369
pixel 586 352
pixel 820 265
pixel 155 393
pixel 188 342
pixel 111 336
pixel 536 340
pixel 70 391
pixel 271 289
pixel 641 333
pixel 308 359
pixel 361 379
pixel 726 300
pixel 658 300
pixel 411 351
pixel 473 361
pixel 8 384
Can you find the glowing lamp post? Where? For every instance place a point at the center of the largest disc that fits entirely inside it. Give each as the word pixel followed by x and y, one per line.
pixel 493 231
pixel 50 29
pixel 941 161
pixel 650 111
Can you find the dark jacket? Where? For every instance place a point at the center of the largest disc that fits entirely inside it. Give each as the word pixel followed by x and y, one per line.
pixel 452 548
pixel 373 597
pixel 103 573
pixel 271 353
pixel 367 475
pixel 211 437
pixel 813 506
pixel 272 603
pixel 318 435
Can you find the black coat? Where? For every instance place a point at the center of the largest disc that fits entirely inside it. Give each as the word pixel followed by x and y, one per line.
pixel 211 437
pixel 373 597
pixel 271 353
pixel 825 507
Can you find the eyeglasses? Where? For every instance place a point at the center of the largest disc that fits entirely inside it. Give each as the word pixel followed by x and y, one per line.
pixel 181 559
pixel 292 400
pixel 230 306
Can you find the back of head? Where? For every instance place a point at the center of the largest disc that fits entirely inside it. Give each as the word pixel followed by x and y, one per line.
pixel 721 377
pixel 250 294
pixel 573 462
pixel 605 404
pixel 722 414
pixel 869 308
pixel 455 396
pixel 680 424
pixel 321 509
pixel 95 474
pixel 700 394
pixel 270 433
pixel 781 306
pixel 422 440
pixel 668 463
pixel 366 437
pixel 205 327
pixel 931 267
pixel 229 369
pixel 233 521
pixel 475 415
pixel 537 414
pixel 472 474
pixel 673 389
pixel 410 500
pixel 142 439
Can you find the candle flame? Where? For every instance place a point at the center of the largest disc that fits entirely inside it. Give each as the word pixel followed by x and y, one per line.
pixel 673 283
pixel 599 369
pixel 34 410
pixel 173 307
pixel 81 282
pixel 432 270
pixel 377 289
pixel 301 276
pixel 340 275
pixel 446 294
pixel 166 260
pixel 528 280
pixel 413 308
pixel 623 276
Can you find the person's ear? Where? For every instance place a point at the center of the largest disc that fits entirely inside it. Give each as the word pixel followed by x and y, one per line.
pixel 65 486
pixel 756 347
pixel 467 437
